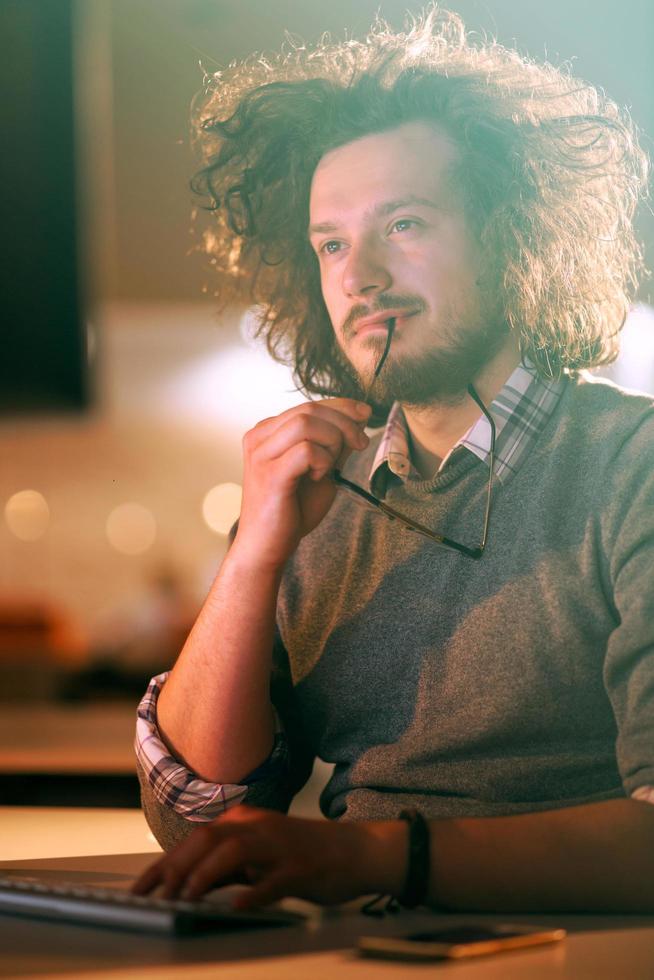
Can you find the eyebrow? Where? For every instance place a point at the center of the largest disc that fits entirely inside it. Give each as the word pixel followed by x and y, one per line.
pixel 381 210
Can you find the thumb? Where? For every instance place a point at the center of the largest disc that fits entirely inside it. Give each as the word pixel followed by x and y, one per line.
pixel 343 458
pixel 270 888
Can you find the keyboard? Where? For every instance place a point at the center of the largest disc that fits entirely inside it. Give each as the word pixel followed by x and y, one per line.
pixel 116 909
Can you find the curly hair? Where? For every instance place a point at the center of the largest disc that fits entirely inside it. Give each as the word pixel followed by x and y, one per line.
pixel 550 169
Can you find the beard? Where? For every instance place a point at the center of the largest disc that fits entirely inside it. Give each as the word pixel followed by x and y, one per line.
pixel 438 374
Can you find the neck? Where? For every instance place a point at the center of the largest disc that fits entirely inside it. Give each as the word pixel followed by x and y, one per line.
pixel 436 428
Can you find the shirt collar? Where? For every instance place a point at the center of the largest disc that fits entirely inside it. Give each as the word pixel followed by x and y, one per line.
pixel 520 411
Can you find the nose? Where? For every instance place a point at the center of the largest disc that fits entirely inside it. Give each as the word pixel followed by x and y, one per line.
pixel 366 272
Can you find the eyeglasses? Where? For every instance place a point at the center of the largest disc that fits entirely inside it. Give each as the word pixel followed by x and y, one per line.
pixel 411 525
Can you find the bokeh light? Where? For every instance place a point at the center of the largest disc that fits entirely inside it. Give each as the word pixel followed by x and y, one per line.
pixel 221 506
pixel 27 515
pixel 131 529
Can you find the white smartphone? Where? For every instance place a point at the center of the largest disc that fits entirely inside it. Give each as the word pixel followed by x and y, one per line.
pixel 457 942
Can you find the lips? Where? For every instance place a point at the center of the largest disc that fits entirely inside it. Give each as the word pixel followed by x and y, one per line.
pixel 381 319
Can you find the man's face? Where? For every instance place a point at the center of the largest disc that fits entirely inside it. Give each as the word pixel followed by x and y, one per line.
pixel 389 232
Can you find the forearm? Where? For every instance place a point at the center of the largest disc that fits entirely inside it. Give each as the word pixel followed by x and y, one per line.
pixel 214 711
pixel 593 858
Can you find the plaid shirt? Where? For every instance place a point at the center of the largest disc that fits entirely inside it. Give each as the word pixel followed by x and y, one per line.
pixel 176 786
pixel 520 412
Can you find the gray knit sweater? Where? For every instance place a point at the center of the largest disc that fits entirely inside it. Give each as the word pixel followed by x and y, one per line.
pixel 520 682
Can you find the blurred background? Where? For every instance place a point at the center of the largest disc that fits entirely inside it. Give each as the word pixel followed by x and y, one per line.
pixel 123 396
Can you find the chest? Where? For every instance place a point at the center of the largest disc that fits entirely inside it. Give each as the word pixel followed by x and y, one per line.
pixel 382 627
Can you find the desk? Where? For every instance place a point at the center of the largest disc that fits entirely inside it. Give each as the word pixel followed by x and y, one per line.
pixel 598 948
pixel 34 832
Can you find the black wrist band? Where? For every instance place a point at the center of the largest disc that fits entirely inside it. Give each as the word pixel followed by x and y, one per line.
pixel 416 885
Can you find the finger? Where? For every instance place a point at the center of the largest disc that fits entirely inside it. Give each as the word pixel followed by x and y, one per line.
pixel 148 880
pixel 172 869
pixel 333 464
pixel 169 880
pixel 231 857
pixel 305 458
pixel 331 436
pixel 333 409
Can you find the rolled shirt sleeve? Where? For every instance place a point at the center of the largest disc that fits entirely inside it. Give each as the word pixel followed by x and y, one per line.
pixel 178 788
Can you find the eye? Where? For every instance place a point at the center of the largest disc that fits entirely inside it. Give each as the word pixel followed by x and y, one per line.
pixel 403 224
pixel 330 247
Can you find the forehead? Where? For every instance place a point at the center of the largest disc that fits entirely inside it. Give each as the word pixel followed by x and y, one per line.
pixel 413 158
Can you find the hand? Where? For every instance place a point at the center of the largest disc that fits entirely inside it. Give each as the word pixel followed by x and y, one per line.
pixel 287 461
pixel 322 861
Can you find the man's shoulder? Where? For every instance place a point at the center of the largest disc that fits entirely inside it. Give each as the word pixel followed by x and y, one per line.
pixel 605 432
pixel 602 390
pixel 613 411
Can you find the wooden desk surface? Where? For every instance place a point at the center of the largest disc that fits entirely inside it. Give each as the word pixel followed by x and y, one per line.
pixel 598 948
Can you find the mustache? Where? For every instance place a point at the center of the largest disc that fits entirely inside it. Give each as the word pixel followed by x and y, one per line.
pixel 388 301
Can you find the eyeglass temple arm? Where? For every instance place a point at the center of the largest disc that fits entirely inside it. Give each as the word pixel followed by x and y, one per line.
pixel 409 524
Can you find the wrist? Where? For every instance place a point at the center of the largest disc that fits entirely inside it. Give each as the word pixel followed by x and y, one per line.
pixel 242 563
pixel 383 856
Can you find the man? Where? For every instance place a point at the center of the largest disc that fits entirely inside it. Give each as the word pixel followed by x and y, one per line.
pixel 438 233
